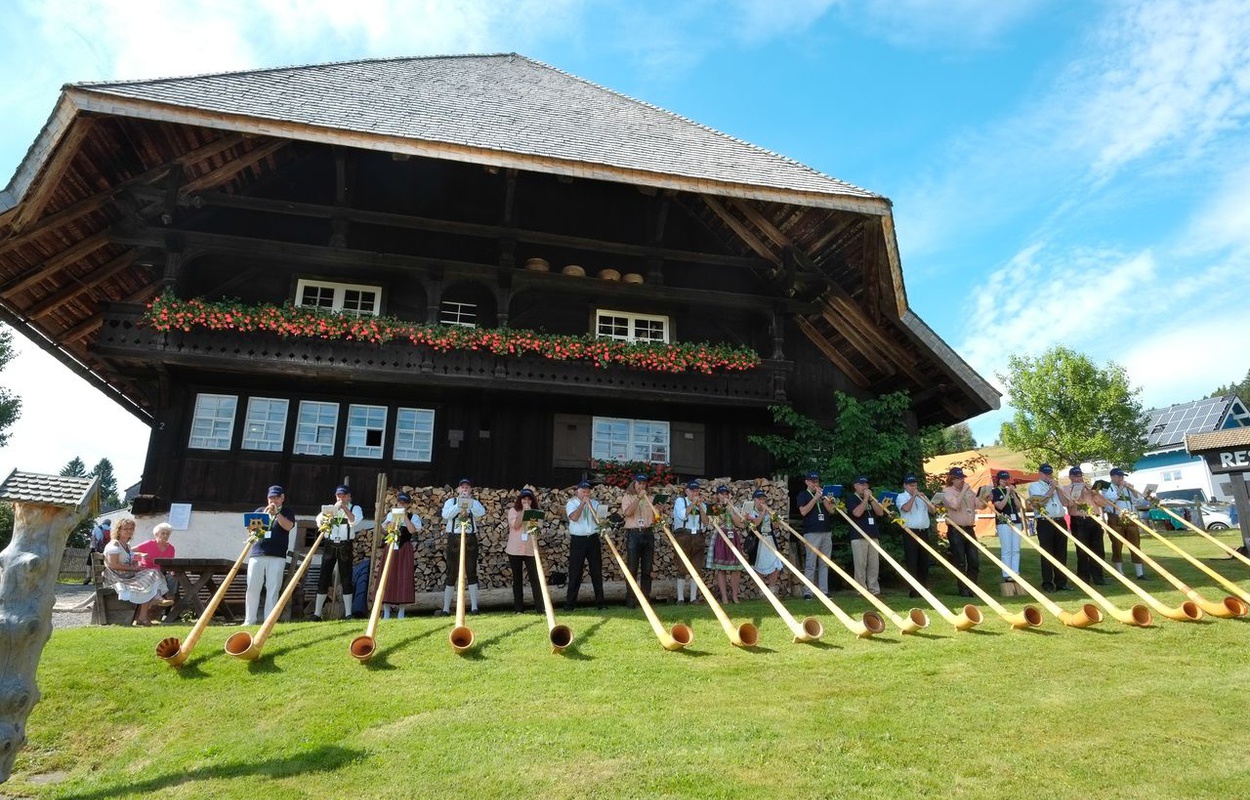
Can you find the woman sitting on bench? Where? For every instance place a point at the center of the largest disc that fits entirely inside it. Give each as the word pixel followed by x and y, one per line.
pixel 131 583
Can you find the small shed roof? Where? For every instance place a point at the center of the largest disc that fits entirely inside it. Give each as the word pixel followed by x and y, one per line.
pixel 52 490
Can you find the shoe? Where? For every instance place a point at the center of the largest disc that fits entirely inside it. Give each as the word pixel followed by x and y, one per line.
pixel 1008 580
pixel 807 595
pixel 359 615
pixel 913 593
pixel 1063 588
pixel 136 623
pixel 679 601
pixel 1143 577
pixel 438 612
pixel 164 602
pixel 571 607
pixel 315 618
pixel 1048 587
pixel 602 606
pixel 87 582
pixel 474 611
pixel 1100 581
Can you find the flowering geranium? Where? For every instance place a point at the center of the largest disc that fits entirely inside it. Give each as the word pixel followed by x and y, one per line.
pixel 621 473
pixel 168 313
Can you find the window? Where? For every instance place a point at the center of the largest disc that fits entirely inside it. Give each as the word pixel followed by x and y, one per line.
pixel 212 424
pixel 452 312
pixel 414 434
pixel 314 431
pixel 265 427
pixel 629 440
pixel 345 298
pixel 366 427
pixel 630 327
pixel 1174 475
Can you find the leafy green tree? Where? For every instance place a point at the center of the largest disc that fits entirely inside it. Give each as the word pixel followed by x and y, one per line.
pixel 74 469
pixel 108 483
pixel 10 406
pixel 6 524
pixel 1070 410
pixel 959 438
pixel 1242 389
pixel 939 441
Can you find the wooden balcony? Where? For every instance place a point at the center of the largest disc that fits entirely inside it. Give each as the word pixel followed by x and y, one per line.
pixel 126 344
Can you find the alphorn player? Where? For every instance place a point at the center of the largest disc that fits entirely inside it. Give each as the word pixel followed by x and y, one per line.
pixel 267 559
pixel 1081 502
pixel 915 508
pixel 767 563
pixel 1122 497
pixel 866 512
pixel 585 549
pixel 344 517
pixel 689 513
pixel 732 522
pixel 463 512
pixel 1008 517
pixel 639 536
pixel 1046 498
pixel 961 509
pixel 817 512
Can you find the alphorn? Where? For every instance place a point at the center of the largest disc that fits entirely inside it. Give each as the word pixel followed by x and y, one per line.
pixel 809 630
pixel 1089 614
pixel 1137 615
pixel 915 620
pixel 1232 606
pixel 173 652
pixel 744 635
pixel 560 636
pixel 1187 611
pixel 1028 617
pixel 246 646
pixel 1232 551
pixel 871 623
pixel 681 634
pixel 363 647
pixel 968 617
pixel 461 636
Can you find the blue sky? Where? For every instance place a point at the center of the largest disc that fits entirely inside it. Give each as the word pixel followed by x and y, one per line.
pixel 1061 172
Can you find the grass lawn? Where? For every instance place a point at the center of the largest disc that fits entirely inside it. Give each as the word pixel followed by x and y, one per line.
pixel 1110 711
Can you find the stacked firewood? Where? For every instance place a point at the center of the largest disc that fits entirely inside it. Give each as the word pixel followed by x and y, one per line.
pixel 493 569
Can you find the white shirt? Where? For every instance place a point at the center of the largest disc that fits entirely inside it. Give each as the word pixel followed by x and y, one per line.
pixel 1053 508
pixel 451 514
pixel 688 515
pixel 585 524
pixel 918 516
pixel 1124 498
pixel 340 531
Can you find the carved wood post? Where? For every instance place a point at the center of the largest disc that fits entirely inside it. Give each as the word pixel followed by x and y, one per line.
pixel 45 509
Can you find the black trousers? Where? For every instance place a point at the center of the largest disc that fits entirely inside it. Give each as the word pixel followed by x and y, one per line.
pixel 526 563
pixel 964 555
pixel 453 559
pixel 585 551
pixel 1053 540
pixel 915 557
pixel 639 555
pixel 1089 533
pixel 340 554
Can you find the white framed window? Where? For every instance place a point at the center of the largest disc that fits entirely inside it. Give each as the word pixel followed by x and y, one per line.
pixel 315 428
pixel 1174 475
pixel 453 312
pixel 629 327
pixel 414 434
pixel 614 439
pixel 212 422
pixel 265 425
pixel 344 298
pixel 366 428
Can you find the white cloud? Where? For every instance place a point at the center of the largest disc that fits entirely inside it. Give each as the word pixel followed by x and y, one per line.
pixel 941 25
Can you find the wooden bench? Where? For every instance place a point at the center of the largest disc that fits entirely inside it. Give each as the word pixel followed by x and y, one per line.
pixel 108 608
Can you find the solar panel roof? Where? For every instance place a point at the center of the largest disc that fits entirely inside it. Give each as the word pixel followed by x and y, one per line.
pixel 1169 426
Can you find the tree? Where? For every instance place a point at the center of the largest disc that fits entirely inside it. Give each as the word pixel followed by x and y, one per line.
pixel 10 406
pixel 959 438
pixel 1069 410
pixel 939 441
pixel 74 469
pixel 1242 389
pixel 108 483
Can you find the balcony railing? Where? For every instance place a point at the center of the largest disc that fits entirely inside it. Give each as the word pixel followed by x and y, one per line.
pixel 122 339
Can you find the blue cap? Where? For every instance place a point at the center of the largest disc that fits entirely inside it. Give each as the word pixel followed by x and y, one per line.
pixel 1046 469
pixel 956 472
pixel 641 478
pixel 722 490
pixel 463 481
pixel 584 485
pixel 403 497
pixel 813 476
pixel 1118 471
pixel 340 489
pixel 108 523
pixel 1074 471
pixel 1002 473
pixel 274 491
pixel 693 485
pixel 862 479
pixel 910 479
pixel 526 493
pixel 759 493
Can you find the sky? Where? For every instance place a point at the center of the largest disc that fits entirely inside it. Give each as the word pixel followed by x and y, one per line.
pixel 1072 173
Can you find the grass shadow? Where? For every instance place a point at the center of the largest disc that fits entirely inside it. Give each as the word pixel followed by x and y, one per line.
pixel 574 651
pixel 984 632
pixel 686 651
pixel 327 758
pixel 379 661
pixel 821 644
pixel 924 635
pixel 1103 630
pixel 1039 631
pixel 880 640
pixel 476 653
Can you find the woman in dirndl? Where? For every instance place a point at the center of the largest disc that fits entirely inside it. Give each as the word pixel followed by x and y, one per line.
pixel 132 583
pixel 724 562
pixel 400 590
pixel 767 562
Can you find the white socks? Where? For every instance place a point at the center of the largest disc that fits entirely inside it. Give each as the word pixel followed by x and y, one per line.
pixel 447 590
pixel 1141 570
pixel 1119 567
pixel 473 596
pixel 321 604
pixel 681 590
pixel 386 611
pixel 694 591
pixel 347 606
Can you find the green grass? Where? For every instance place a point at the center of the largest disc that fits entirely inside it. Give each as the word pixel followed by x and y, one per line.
pixel 1111 711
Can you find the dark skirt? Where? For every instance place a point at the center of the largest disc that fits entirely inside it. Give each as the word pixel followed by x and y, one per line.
pixel 722 556
pixel 400 590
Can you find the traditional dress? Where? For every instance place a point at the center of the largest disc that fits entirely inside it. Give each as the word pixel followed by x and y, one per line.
pixel 400 588
pixel 766 560
pixel 139 588
pixel 722 557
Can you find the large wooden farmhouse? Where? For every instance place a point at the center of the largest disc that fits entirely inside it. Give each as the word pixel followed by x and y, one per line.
pixel 446 198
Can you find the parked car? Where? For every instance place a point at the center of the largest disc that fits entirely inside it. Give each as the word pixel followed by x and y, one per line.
pixel 1216 517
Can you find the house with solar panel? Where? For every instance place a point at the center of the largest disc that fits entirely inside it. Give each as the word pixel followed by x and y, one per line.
pixel 441 267
pixel 1168 463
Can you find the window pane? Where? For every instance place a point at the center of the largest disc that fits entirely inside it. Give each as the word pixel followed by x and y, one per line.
pixel 318 296
pixel 452 312
pixel 629 440
pixel 365 427
pixel 414 434
pixel 265 428
pixel 212 422
pixel 314 429
pixel 631 327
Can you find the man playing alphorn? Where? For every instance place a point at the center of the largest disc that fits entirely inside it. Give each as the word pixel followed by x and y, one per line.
pixel 1122 497
pixel 585 549
pixel 1046 499
pixel 961 509
pixel 464 513
pixel 343 518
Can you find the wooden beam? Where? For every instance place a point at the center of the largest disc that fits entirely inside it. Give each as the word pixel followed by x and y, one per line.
pixel 760 221
pixel 870 267
pixel 836 232
pixel 68 256
pixel 41 194
pixel 91 323
pixel 844 311
pixel 82 284
pixel 226 171
pixel 854 335
pixel 830 352
pixel 750 239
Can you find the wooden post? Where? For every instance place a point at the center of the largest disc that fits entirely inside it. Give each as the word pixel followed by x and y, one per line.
pixel 45 509
pixel 380 512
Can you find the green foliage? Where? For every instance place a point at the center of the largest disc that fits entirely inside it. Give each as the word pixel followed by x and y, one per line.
pixel 108 483
pixel 870 437
pixel 10 406
pixel 1241 389
pixel 1069 410
pixel 939 441
pixel 75 468
pixel 6 524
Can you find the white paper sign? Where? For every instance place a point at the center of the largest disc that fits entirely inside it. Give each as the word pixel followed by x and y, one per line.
pixel 180 516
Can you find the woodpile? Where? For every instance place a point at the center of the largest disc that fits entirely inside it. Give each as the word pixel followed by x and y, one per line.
pixel 493 571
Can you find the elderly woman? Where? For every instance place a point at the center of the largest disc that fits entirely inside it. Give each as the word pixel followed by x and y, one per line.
pixel 157 547
pixel 124 575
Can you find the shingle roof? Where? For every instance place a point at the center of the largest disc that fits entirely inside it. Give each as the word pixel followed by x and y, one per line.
pixel 1231 437
pixel 52 490
pixel 504 103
